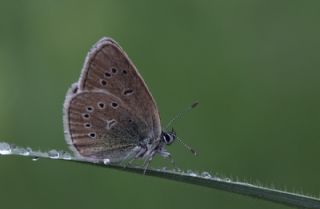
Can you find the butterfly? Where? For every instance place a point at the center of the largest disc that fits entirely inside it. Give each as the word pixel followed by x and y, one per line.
pixel 110 113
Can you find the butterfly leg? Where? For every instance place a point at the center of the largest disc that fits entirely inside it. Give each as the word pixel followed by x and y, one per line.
pixel 165 154
pixel 133 155
pixel 141 151
pixel 146 164
pixel 172 161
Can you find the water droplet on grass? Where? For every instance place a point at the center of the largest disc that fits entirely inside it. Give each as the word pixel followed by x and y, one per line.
pixel 23 151
pixel 191 173
pixel 53 154
pixel 28 150
pixel 35 158
pixel 206 175
pixel 5 149
pixel 66 156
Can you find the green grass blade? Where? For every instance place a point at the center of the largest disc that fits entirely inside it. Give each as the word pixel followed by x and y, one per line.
pixel 204 179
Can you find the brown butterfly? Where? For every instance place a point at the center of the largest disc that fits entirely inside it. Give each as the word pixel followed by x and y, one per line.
pixel 110 114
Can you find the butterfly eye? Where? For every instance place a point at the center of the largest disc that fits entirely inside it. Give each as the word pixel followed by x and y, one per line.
pixel 167 138
pixel 124 72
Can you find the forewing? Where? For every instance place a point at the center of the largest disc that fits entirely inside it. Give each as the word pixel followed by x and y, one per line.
pixel 107 67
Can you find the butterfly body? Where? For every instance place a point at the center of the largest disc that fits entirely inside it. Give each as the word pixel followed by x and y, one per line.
pixel 110 113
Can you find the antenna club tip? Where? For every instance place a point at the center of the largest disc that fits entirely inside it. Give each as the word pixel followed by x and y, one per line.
pixel 194 104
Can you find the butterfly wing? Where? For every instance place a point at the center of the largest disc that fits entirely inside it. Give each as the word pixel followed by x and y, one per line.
pixel 110 110
pixel 101 126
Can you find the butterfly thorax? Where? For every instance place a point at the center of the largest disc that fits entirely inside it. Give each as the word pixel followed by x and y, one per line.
pixel 147 149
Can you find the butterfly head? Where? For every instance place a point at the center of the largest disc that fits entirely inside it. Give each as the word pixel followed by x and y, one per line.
pixel 168 137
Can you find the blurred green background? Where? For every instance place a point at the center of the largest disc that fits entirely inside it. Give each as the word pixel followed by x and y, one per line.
pixel 253 65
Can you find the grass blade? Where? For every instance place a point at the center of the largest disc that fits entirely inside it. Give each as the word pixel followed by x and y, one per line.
pixel 204 179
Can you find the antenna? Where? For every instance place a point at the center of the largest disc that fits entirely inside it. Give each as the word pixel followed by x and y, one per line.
pixel 181 113
pixel 177 116
pixel 187 146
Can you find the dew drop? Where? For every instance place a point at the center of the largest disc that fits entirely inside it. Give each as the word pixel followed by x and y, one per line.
pixel 206 175
pixel 191 173
pixel 227 179
pixel 218 179
pixel 24 152
pixel 53 154
pixel 106 161
pixel 5 149
pixel 35 158
pixel 66 156
pixel 29 149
